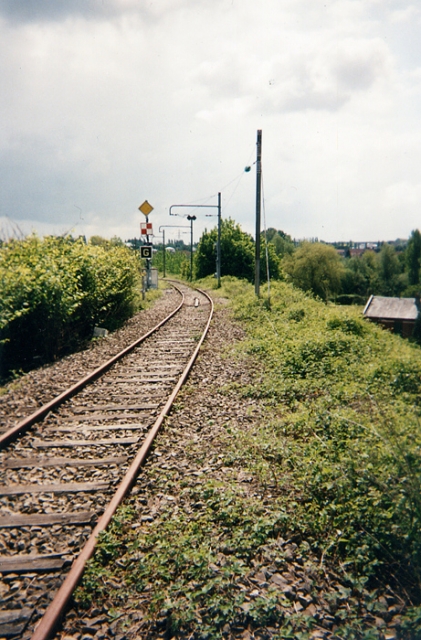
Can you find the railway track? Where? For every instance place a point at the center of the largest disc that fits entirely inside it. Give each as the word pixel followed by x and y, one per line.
pixel 66 468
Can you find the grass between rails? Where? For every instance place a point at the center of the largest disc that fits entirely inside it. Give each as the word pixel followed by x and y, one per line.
pixel 338 452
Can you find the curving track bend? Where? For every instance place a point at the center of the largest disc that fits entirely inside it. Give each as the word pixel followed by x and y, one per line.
pixel 64 471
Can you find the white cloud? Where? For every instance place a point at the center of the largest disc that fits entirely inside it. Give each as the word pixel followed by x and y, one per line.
pixel 106 104
pixel 401 197
pixel 407 14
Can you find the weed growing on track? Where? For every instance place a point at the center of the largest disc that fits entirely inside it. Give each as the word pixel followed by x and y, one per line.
pixel 335 463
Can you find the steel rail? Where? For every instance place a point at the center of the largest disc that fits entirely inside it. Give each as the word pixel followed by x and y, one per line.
pixel 52 616
pixel 40 413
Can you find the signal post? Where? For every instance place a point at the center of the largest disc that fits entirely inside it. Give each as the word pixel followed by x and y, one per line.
pixel 146 249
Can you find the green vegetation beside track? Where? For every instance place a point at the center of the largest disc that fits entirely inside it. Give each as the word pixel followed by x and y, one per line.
pixel 337 445
pixel 344 438
pixel 54 290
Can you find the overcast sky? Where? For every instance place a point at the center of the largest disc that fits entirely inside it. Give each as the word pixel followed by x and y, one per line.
pixel 107 103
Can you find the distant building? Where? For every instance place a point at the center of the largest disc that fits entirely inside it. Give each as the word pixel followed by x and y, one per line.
pixel 399 315
pixel 356 253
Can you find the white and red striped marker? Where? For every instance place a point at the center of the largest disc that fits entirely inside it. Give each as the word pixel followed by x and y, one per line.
pixel 146 229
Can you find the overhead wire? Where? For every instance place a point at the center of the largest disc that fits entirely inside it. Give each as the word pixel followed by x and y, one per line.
pixel 237 179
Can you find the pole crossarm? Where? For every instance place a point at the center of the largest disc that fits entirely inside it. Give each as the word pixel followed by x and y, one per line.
pixel 179 226
pixel 193 206
pixel 204 206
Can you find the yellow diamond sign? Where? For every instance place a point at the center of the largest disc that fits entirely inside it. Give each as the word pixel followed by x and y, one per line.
pixel 146 208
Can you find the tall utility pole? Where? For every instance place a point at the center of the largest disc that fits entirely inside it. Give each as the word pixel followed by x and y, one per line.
pixel 164 249
pixel 148 262
pixel 192 219
pixel 218 245
pixel 258 204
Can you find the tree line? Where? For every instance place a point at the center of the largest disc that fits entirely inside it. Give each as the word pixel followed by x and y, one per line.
pixel 318 268
pixel 315 267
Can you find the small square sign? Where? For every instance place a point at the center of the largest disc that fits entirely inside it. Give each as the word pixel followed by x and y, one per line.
pixel 146 251
pixel 146 229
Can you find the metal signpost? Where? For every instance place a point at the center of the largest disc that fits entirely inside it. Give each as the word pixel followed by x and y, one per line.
pixel 146 249
pixel 192 219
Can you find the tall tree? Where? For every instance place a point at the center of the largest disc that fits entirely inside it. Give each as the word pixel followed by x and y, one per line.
pixel 237 253
pixel 413 257
pixel 389 270
pixel 315 267
pixel 361 275
pixel 281 242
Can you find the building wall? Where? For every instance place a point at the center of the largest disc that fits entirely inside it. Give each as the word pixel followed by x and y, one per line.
pixel 404 328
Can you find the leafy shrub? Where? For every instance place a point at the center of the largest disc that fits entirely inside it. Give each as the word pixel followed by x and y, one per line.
pixel 297 315
pixel 174 262
pixel 347 325
pixel 350 298
pixel 53 291
pixel 349 439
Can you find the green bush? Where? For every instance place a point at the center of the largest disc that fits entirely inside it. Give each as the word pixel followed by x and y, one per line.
pixel 237 254
pixel 53 291
pixel 351 298
pixel 346 449
pixel 174 262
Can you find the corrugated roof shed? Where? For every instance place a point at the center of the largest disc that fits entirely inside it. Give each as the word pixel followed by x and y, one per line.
pixel 391 308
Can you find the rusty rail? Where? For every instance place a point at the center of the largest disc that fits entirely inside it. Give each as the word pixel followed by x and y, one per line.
pixel 40 413
pixel 52 616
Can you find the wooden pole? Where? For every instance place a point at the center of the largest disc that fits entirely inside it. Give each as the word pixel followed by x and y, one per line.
pixel 258 206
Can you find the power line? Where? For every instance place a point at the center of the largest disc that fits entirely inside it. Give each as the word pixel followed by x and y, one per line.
pixel 237 179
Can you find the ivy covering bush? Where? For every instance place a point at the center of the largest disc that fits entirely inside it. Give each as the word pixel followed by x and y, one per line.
pixel 344 442
pixel 54 290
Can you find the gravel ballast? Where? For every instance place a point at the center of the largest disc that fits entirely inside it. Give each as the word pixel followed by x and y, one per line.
pixel 22 396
